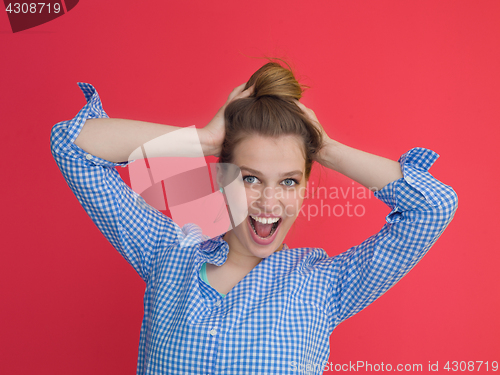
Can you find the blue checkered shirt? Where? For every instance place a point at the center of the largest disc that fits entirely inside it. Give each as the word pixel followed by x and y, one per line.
pixel 277 319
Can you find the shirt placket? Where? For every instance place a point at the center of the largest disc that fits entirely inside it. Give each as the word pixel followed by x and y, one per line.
pixel 216 333
pixel 214 330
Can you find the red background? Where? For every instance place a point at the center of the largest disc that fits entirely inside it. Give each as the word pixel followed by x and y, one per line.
pixel 385 76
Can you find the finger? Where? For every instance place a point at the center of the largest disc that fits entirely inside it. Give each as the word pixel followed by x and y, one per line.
pixel 242 94
pixel 237 90
pixel 304 108
pixel 247 92
pixel 240 88
pixel 307 111
pixel 251 89
pixel 301 105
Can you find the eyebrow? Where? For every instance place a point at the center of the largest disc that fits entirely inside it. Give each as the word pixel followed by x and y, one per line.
pixel 286 174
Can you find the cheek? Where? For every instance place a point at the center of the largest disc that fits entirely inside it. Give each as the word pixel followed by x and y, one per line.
pixel 294 212
pixel 292 202
pixel 253 194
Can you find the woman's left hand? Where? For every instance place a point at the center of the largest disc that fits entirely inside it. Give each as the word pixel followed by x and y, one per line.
pixel 320 156
pixel 372 171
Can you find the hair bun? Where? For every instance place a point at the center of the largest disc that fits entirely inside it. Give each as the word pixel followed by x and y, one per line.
pixel 272 79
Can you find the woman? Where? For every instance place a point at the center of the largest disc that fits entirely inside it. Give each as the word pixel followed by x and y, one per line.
pixel 243 302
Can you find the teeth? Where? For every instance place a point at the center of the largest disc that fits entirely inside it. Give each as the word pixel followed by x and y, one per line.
pixel 273 229
pixel 264 220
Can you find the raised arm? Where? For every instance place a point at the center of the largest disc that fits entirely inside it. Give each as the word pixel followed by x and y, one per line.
pixel 87 149
pixel 372 171
pixel 116 139
pixel 421 209
pixel 134 228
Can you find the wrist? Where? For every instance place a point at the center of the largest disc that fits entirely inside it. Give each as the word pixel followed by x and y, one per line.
pixel 208 144
pixel 330 154
pixel 202 137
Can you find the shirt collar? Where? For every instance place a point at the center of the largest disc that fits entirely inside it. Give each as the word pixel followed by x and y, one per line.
pixel 214 250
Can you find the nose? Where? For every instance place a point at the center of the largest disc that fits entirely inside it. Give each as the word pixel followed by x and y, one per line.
pixel 269 200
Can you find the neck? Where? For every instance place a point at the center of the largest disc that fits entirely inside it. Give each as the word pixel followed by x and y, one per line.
pixel 238 256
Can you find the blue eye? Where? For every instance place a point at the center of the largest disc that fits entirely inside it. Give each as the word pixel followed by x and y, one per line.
pixel 250 179
pixel 290 182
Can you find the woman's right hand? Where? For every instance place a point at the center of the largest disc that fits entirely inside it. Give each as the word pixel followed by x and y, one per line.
pixel 212 135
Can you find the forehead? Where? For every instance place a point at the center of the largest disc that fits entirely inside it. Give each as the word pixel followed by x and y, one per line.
pixel 270 155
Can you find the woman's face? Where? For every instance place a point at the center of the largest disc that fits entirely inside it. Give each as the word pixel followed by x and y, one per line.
pixel 273 171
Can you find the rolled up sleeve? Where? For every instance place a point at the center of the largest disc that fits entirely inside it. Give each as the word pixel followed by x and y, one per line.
pixel 421 209
pixel 133 227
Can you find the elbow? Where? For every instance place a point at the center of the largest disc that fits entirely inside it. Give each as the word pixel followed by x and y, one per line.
pixel 448 206
pixel 57 134
pixel 453 201
pixel 53 138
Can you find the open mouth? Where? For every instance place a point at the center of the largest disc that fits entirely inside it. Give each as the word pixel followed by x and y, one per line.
pixel 264 230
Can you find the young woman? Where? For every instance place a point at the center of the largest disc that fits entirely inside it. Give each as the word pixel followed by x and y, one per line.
pixel 243 302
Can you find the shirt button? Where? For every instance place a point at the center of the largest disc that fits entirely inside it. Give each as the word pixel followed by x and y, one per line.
pixel 88 156
pixel 217 303
pixel 409 179
pixel 213 332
